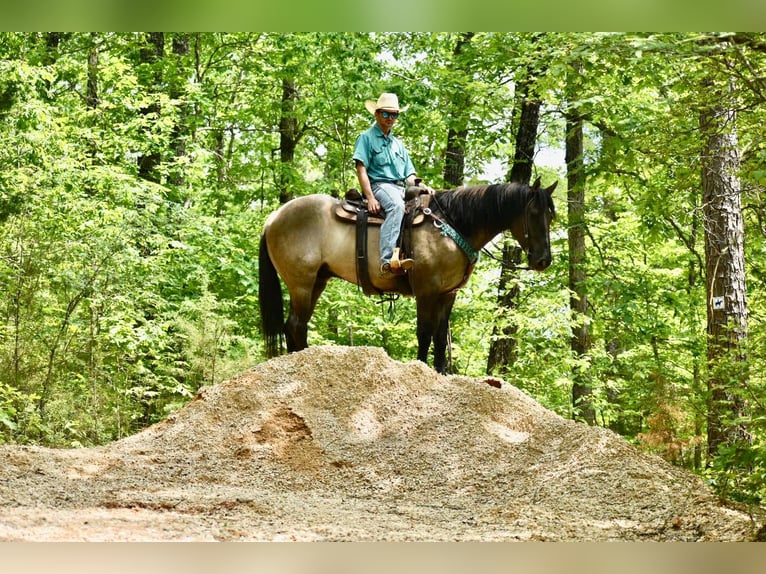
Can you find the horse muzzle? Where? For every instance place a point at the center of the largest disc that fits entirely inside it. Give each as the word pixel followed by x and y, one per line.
pixel 539 263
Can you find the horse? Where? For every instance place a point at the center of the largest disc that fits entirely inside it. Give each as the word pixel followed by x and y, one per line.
pixel 305 244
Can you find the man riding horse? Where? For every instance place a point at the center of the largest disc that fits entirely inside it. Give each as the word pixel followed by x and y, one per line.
pixel 306 243
pixel 384 169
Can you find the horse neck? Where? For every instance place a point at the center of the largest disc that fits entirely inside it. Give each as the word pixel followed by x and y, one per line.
pixel 499 207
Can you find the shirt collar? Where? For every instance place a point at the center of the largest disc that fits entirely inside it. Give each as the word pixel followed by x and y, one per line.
pixel 379 132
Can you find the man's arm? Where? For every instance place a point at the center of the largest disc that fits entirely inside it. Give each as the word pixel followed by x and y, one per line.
pixel 411 180
pixel 364 182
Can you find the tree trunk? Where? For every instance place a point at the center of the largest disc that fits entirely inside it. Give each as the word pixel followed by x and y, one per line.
pixel 177 93
pixel 503 350
pixel 457 133
pixel 289 134
pixel 91 102
pixel 52 45
pixel 582 392
pixel 526 137
pixel 725 276
pixel 457 136
pixel 149 55
pixel 91 98
pixel 529 119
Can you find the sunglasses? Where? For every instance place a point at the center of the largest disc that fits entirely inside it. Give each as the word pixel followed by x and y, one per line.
pixel 392 115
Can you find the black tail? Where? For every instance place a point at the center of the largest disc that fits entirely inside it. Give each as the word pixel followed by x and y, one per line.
pixel 270 299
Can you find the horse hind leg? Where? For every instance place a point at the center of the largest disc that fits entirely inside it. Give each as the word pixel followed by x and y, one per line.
pixel 302 304
pixel 296 332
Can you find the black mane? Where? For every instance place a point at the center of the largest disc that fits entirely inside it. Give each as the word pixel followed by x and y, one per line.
pixel 483 206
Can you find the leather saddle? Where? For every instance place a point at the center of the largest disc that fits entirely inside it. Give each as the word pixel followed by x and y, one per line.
pixel 353 210
pixel 415 199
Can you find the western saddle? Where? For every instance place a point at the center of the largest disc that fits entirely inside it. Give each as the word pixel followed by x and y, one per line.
pixel 353 209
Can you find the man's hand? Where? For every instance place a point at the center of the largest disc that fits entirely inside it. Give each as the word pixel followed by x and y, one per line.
pixel 373 205
pixel 419 183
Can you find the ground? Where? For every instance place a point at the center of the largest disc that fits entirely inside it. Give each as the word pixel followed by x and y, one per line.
pixel 346 444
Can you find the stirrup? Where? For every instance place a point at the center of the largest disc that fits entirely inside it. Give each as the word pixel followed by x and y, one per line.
pixel 388 269
pixel 403 264
pixel 400 264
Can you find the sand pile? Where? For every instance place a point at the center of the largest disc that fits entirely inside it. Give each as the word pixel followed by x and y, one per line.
pixel 338 443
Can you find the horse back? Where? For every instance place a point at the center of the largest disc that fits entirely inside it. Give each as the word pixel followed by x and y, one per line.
pixel 306 238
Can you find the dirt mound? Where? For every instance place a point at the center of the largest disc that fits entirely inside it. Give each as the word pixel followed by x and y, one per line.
pixel 337 443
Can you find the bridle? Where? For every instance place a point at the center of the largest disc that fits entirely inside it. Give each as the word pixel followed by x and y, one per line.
pixel 446 228
pixel 525 230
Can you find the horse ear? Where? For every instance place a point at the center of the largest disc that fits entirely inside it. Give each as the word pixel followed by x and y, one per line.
pixel 552 187
pixel 535 185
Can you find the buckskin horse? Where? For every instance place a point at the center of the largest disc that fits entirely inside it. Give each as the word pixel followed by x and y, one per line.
pixel 306 244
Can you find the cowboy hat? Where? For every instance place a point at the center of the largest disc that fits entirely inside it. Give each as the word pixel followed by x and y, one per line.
pixel 386 101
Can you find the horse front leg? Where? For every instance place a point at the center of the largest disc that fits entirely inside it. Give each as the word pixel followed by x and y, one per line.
pixel 433 325
pixel 426 326
pixel 440 349
pixel 441 334
pixel 425 334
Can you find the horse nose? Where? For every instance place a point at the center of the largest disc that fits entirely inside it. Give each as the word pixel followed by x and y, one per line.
pixel 542 262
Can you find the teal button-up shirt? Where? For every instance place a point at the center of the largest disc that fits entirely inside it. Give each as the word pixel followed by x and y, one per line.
pixel 385 158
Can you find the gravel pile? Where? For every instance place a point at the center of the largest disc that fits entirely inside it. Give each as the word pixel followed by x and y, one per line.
pixel 341 443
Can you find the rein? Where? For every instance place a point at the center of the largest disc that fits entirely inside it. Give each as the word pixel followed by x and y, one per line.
pixel 502 262
pixel 447 230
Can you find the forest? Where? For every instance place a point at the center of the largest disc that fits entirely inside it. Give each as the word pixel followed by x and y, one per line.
pixel 137 169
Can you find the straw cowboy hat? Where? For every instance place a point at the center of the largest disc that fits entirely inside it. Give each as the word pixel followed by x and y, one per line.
pixel 386 101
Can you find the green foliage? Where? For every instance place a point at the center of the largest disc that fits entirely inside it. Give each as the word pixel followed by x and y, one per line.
pixel 738 472
pixel 123 292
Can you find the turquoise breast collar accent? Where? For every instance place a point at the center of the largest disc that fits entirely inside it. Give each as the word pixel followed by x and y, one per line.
pixel 448 231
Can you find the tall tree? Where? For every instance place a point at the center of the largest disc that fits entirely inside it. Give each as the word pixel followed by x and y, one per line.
pixel 460 103
pixel 150 58
pixel 177 90
pixel 290 133
pixel 725 271
pixel 504 347
pixel 578 301
pixel 91 98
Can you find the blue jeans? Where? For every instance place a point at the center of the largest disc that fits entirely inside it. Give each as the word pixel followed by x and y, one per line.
pixel 391 198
